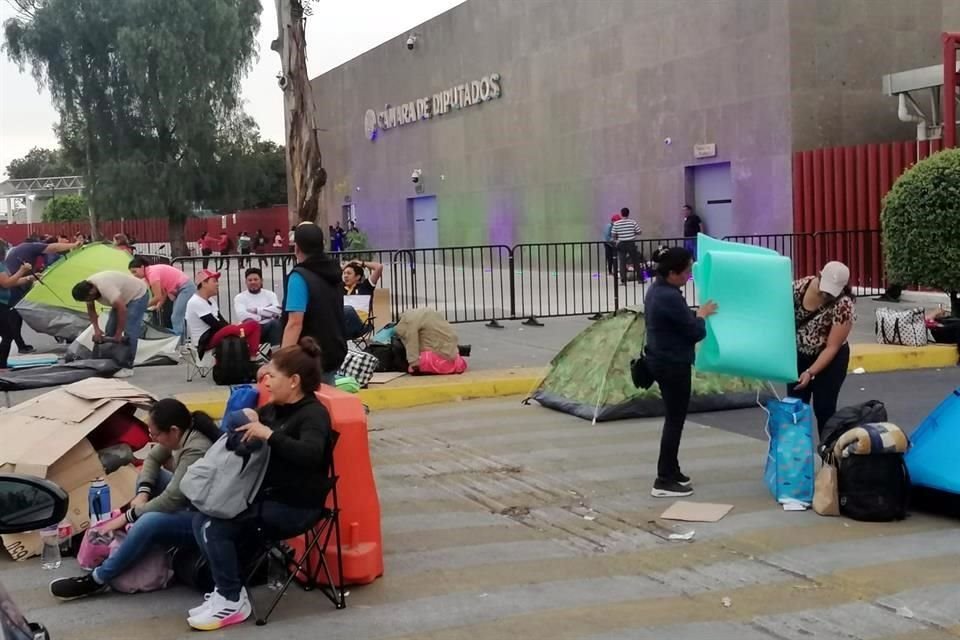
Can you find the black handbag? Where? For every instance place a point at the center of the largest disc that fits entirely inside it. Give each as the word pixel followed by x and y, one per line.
pixel 640 372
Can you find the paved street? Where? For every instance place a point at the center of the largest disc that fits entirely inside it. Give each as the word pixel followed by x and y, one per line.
pixel 501 520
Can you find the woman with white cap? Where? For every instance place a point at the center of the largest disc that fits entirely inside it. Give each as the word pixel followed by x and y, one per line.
pixel 824 309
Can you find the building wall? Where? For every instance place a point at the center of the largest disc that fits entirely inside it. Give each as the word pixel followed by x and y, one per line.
pixel 840 50
pixel 590 92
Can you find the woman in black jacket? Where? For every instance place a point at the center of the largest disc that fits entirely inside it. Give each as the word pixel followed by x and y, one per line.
pixel 673 329
pixel 297 429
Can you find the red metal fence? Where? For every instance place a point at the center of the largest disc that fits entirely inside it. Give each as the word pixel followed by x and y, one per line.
pixel 842 189
pixel 157 230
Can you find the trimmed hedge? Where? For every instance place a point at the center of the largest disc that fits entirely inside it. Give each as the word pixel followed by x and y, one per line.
pixel 921 224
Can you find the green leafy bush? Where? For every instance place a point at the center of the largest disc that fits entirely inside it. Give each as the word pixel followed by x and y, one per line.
pixel 65 209
pixel 921 225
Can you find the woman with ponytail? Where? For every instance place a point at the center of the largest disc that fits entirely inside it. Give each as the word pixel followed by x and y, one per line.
pixel 160 513
pixel 297 429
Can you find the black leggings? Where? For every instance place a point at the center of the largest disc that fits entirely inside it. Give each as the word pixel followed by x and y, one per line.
pixel 825 388
pixel 675 387
pixel 7 333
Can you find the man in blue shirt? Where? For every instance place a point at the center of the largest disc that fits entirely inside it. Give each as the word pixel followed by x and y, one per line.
pixel 313 300
pixel 29 253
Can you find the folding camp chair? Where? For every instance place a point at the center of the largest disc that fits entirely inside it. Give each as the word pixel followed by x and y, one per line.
pixel 363 340
pixel 308 565
pixel 191 357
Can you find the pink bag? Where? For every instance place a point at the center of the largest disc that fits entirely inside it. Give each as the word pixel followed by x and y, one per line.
pixel 432 363
pixel 95 546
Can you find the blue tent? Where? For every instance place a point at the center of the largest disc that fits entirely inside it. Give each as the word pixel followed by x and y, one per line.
pixel 932 460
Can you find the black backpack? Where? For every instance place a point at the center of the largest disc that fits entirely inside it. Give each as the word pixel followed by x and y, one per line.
pixel 232 362
pixel 873 488
pixel 392 357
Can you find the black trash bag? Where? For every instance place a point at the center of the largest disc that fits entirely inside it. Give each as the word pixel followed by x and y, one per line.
pixel 849 418
pixel 119 352
pixel 392 357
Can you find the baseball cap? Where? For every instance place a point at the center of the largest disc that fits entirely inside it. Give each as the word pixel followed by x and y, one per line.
pixel 205 274
pixel 616 217
pixel 834 278
pixel 309 238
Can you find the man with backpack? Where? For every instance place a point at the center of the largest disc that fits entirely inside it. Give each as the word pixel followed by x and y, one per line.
pixel 207 329
pixel 313 300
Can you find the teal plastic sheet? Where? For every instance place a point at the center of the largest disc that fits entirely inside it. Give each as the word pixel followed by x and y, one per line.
pixel 753 335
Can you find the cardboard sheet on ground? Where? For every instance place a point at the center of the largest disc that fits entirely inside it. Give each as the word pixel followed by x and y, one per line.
pixel 46 436
pixel 384 377
pixel 696 511
pixel 753 335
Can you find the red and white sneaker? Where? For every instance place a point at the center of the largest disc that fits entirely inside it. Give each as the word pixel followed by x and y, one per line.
pixel 220 612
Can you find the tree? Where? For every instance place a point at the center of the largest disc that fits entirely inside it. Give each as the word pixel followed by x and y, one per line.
pixel 250 172
pixel 921 225
pixel 65 209
pixel 143 87
pixel 41 163
pixel 307 174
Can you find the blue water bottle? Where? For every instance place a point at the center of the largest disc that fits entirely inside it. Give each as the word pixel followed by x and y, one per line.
pixel 98 500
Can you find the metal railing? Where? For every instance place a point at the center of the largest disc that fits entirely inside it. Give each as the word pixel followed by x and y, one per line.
pixel 491 283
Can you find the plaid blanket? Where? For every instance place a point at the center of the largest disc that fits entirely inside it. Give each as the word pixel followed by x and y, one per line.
pixel 871 438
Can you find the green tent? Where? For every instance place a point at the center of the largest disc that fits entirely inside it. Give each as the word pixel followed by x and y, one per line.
pixel 590 377
pixel 49 306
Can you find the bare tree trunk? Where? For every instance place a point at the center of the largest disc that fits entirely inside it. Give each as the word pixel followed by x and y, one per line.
pixel 176 231
pixel 305 172
pixel 90 185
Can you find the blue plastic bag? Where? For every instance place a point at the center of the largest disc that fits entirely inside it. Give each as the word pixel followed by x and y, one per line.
pixel 242 396
pixel 790 469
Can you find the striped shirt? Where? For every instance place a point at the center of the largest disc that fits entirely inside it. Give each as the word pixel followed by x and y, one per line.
pixel 626 230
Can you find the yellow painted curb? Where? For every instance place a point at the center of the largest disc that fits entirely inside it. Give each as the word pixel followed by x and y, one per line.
pixel 411 391
pixel 877 358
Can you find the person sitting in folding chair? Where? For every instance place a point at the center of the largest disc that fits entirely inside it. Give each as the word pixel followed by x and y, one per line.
pixel 260 305
pixel 206 328
pixel 297 428
pixel 355 286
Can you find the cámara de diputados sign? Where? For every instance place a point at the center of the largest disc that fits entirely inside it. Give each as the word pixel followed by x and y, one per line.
pixel 457 97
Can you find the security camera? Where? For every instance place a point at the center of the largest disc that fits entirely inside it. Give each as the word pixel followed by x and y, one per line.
pixel 668 141
pixel 411 42
pixel 415 176
pixel 282 81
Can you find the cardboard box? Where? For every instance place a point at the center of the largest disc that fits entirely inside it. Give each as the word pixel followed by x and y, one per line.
pixel 46 437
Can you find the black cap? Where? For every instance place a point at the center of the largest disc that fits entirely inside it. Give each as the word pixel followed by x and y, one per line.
pixel 309 238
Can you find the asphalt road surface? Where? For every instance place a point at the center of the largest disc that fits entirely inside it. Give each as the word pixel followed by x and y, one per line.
pixel 909 396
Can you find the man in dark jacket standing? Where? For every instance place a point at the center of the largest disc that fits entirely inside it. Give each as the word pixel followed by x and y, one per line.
pixel 313 300
pixel 673 330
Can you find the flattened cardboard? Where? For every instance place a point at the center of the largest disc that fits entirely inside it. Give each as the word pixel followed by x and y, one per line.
pixel 47 437
pixel 696 511
pixel 122 487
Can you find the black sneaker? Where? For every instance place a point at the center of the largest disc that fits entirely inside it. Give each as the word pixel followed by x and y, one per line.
pixel 682 479
pixel 26 349
pixel 669 489
pixel 73 588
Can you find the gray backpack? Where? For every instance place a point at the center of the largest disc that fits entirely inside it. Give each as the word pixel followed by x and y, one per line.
pixel 223 483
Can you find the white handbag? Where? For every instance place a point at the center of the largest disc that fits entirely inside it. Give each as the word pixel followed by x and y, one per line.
pixel 907 328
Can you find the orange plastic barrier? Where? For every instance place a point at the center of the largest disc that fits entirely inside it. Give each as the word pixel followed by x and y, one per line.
pixel 362 544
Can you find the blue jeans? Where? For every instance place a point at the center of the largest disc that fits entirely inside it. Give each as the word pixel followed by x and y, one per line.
pixel 220 539
pixel 134 327
pixel 151 529
pixel 353 323
pixel 271 332
pixel 179 314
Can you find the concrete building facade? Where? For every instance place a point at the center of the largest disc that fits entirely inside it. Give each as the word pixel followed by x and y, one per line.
pixel 535 120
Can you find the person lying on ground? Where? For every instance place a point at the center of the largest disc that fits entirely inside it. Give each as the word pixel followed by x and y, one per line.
pixel 167 283
pixel 260 305
pixel 127 298
pixel 356 284
pixel 425 329
pixel 159 514
pixel 296 427
pixel 206 327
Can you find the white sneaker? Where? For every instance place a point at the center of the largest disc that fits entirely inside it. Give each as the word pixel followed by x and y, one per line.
pixel 221 612
pixel 203 607
pixel 123 373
